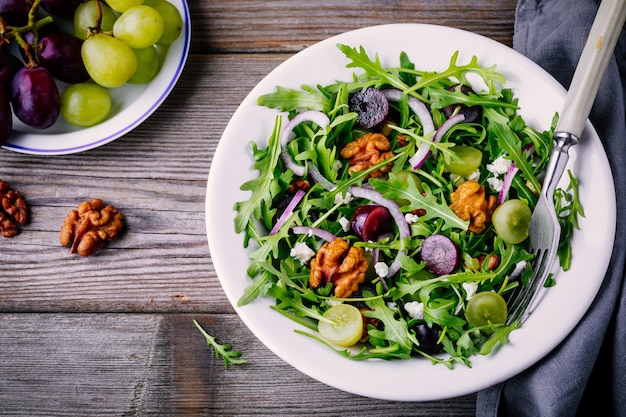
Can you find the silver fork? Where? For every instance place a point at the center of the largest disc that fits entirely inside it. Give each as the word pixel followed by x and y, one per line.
pixel 545 230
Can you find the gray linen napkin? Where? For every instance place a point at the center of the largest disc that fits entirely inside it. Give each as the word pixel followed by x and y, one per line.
pixel 586 374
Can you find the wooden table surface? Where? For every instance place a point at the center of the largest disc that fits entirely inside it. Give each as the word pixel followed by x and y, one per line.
pixel 112 334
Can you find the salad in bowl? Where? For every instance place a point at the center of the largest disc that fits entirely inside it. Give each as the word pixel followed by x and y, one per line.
pixel 389 211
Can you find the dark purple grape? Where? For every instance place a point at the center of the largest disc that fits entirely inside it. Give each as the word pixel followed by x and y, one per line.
pixel 59 53
pixel 370 221
pixel 9 66
pixel 371 107
pixel 428 338
pixel 61 8
pixel 6 116
pixel 471 113
pixel 440 254
pixel 35 97
pixel 15 12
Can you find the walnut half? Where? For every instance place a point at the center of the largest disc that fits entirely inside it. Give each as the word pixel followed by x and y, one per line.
pixel 470 202
pixel 340 264
pixel 13 210
pixel 90 226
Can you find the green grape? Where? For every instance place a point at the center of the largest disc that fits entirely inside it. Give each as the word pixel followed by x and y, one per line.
pixel 85 104
pixel 148 65
pixel 139 27
pixel 511 220
pixel 86 17
pixel 172 20
pixel 344 325
pixel 486 307
pixel 470 160
pixel 109 61
pixel 123 5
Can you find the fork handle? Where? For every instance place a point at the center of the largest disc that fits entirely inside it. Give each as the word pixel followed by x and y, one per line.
pixel 594 59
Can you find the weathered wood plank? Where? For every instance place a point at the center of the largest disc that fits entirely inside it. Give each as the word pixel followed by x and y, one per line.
pixel 160 365
pixel 287 26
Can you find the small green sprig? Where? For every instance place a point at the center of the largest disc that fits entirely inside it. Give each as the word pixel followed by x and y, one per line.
pixel 221 351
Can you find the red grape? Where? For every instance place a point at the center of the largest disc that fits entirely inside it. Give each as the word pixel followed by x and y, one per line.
pixel 35 97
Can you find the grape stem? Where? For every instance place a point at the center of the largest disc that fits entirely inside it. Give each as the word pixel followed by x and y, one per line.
pixel 33 25
pixel 97 28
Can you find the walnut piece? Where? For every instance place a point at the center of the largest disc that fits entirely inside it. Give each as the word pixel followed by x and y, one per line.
pixel 341 264
pixel 469 202
pixel 13 210
pixel 87 228
pixel 367 151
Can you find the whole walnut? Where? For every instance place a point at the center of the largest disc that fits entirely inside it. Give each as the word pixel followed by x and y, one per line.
pixel 470 202
pixel 90 226
pixel 367 151
pixel 343 265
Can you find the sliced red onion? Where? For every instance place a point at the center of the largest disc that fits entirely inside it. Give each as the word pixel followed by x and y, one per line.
pixel 317 117
pixel 288 211
pixel 318 177
pixel 396 214
pixel 314 231
pixel 419 108
pixel 423 150
pixel 506 183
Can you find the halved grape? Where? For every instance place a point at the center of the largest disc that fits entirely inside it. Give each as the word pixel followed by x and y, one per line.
pixel 471 159
pixel 347 325
pixel 139 27
pixel 109 61
pixel 486 307
pixel 511 220
pixel 85 104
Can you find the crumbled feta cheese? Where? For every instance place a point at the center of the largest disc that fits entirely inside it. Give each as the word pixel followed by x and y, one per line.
pixel 392 305
pixel 340 199
pixel 302 252
pixel 332 302
pixel 415 309
pixel 381 269
pixel 474 176
pixel 500 166
pixel 345 224
pixel 470 289
pixel 495 183
pixel 411 218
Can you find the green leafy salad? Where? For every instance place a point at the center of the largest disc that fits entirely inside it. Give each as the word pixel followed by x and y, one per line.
pixel 390 211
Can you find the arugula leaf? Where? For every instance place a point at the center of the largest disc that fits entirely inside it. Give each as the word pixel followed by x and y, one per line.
pixel 395 330
pixel 261 186
pixel 488 74
pixel 374 68
pixel 288 99
pixel 224 352
pixel 511 144
pixel 568 208
pixel 394 189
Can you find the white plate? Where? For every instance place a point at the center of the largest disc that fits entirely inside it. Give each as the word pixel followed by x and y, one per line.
pixel 132 104
pixel 429 47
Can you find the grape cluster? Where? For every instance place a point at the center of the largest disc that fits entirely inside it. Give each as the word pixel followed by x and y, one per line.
pixel 69 54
